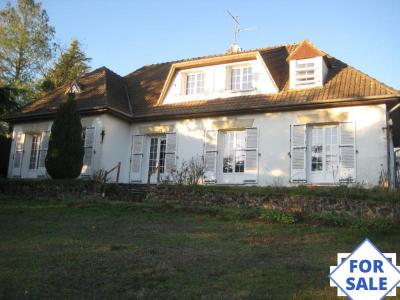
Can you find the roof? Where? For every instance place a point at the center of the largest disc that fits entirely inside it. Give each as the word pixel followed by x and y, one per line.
pixel 305 50
pixel 101 88
pixel 136 95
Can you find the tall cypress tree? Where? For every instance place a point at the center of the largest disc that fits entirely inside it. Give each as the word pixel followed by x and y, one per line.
pixel 65 152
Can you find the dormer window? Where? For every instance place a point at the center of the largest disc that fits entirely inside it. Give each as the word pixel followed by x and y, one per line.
pixel 305 73
pixel 74 88
pixel 241 79
pixel 195 83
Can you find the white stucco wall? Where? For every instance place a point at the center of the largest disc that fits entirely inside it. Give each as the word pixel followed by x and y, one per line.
pixel 116 146
pixel 274 140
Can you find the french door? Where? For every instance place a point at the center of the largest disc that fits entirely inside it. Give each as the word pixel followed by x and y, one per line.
pixel 30 162
pixel 157 150
pixel 323 154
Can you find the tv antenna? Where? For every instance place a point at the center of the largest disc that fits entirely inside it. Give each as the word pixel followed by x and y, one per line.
pixel 237 29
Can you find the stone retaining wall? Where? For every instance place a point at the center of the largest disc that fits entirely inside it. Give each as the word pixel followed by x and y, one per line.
pixel 186 195
pixel 359 208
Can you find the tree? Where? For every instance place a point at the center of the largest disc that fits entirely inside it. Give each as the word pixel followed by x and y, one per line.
pixel 65 152
pixel 70 65
pixel 7 105
pixel 25 45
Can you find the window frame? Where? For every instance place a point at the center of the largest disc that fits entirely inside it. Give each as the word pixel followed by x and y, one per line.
pixel 240 77
pixel 198 83
pixel 236 150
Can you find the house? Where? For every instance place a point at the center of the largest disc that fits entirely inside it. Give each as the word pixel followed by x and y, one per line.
pixel 289 114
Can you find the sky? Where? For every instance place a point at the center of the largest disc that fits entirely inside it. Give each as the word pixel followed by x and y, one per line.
pixel 124 35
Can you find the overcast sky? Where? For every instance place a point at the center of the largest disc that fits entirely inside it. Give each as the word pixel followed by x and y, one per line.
pixel 125 35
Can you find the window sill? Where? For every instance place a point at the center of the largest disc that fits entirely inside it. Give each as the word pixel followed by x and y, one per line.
pixel 241 91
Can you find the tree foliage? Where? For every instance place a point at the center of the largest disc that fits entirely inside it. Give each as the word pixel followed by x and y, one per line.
pixel 70 65
pixel 26 45
pixel 7 105
pixel 65 152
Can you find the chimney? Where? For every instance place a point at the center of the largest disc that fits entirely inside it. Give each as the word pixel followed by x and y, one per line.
pixel 234 48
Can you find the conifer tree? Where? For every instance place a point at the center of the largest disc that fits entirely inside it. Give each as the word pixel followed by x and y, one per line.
pixel 65 152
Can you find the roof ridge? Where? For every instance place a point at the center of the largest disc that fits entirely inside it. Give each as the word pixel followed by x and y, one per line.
pixel 213 56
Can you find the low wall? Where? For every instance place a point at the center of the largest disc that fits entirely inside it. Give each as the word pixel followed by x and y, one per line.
pixel 306 204
pixel 358 203
pixel 78 189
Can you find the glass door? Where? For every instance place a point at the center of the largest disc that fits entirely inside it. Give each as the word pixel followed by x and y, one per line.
pixel 157 149
pixel 33 155
pixel 323 154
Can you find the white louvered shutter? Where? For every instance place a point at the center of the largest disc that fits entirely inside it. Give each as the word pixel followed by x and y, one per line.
pixel 347 154
pixel 210 156
pixel 298 151
pixel 18 153
pixel 44 145
pixel 251 164
pixel 170 153
pixel 88 156
pixel 137 158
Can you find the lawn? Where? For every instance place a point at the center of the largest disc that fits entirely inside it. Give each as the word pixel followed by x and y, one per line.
pixel 101 250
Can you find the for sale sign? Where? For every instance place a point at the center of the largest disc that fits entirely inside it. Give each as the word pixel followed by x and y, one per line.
pixel 366 273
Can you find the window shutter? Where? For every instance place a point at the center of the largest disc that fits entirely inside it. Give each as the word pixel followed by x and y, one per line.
pixel 137 157
pixel 183 83
pixel 228 79
pixel 347 155
pixel 251 163
pixel 44 145
pixel 170 153
pixel 18 153
pixel 298 150
pixel 210 156
pixel 88 145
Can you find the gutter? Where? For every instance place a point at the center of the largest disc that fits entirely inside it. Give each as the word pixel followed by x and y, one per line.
pixel 274 108
pixel 50 115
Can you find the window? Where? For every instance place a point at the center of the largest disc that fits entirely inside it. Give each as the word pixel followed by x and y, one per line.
pixel 241 79
pixel 88 138
pixel 157 154
pixel 195 84
pixel 305 73
pixel 153 155
pixel 34 152
pixel 234 151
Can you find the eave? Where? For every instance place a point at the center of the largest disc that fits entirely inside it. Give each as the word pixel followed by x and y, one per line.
pixel 344 102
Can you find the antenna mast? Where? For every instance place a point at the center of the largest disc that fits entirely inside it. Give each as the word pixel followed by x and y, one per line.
pixel 237 29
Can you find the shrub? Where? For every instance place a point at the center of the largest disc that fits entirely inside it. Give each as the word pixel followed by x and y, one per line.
pixel 65 153
pixel 278 216
pixel 373 225
pixel 329 218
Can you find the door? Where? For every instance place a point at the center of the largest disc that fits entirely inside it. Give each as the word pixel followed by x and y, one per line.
pixel 323 154
pixel 30 165
pixel 157 150
pixel 234 156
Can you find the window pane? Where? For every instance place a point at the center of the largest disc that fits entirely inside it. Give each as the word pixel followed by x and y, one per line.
pixel 234 151
pixel 190 84
pixel 163 145
pixel 34 152
pixel 153 155
pixel 200 83
pixel 235 79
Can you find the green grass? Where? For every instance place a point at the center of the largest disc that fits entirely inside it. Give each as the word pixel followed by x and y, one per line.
pixel 101 250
